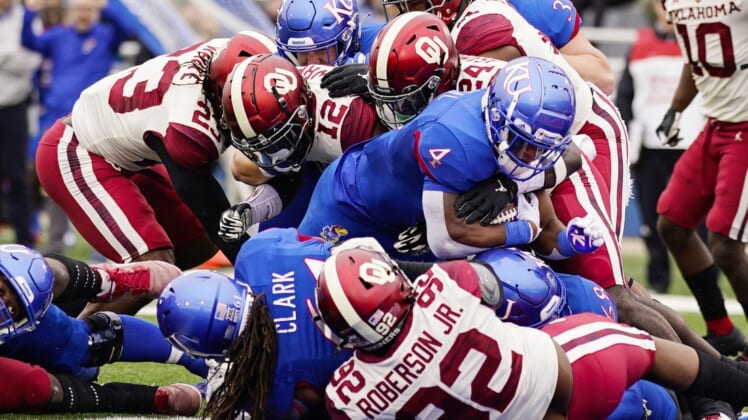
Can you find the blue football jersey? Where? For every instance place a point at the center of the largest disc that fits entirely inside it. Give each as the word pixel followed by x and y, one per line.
pixel 59 344
pixel 375 188
pixel 369 32
pixel 558 19
pixel 284 265
pixel 583 295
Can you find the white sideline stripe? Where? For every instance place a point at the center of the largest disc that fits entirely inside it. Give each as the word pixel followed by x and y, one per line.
pixel 679 303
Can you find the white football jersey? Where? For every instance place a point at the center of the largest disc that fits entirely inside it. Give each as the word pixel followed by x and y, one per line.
pixel 454 358
pixel 163 96
pixel 476 72
pixel 713 37
pixel 524 36
pixel 337 121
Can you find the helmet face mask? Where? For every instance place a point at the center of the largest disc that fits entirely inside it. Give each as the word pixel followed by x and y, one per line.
pixel 396 110
pixel 288 142
pixel 412 60
pixel 528 110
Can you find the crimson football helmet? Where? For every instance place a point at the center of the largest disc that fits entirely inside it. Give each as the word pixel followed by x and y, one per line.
pixel 446 10
pixel 364 297
pixel 267 105
pixel 412 59
pixel 243 44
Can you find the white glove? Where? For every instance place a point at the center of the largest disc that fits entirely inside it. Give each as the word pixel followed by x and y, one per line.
pixel 528 208
pixel 235 221
pixel 583 235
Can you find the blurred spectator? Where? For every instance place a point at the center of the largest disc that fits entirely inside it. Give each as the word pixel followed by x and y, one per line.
pixel 644 92
pixel 16 69
pixel 76 55
pixel 51 14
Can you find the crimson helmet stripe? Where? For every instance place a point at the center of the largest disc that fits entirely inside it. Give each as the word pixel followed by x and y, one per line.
pixel 263 39
pixel 386 45
pixel 237 101
pixel 347 311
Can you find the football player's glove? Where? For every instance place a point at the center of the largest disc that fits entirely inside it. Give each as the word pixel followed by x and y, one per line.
pixel 581 236
pixel 485 201
pixel 412 240
pixel 235 221
pixel 669 129
pixel 349 79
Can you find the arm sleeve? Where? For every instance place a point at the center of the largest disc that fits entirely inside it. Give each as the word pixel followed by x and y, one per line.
pixel 31 40
pixel 202 194
pixel 115 15
pixel 625 94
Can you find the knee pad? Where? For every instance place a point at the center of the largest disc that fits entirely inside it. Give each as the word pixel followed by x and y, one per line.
pixel 37 388
pixel 105 338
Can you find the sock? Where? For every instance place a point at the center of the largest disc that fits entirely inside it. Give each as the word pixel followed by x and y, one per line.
pixel 143 342
pixel 81 397
pixel 704 288
pixel 722 326
pixel 719 380
pixel 85 282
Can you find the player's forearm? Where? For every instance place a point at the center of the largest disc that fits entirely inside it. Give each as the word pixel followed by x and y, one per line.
pixel 594 69
pixel 686 90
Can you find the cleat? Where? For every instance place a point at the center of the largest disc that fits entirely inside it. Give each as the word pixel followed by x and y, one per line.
pixel 729 344
pixel 142 278
pixel 707 409
pixel 179 399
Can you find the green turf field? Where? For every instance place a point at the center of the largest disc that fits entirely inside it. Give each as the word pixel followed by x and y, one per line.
pixel 158 374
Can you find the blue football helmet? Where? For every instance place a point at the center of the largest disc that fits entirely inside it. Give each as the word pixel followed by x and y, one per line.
pixel 528 110
pixel 533 294
pixel 202 312
pixel 28 274
pixel 305 26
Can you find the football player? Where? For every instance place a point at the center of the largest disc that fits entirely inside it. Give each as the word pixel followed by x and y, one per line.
pixel 556 19
pixel 63 353
pixel 102 164
pixel 707 181
pixel 416 346
pixel 260 322
pixel 323 32
pixel 413 175
pixel 280 118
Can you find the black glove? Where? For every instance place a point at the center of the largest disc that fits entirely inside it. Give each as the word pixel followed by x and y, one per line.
pixel 235 221
pixel 669 129
pixel 486 199
pixel 412 240
pixel 349 79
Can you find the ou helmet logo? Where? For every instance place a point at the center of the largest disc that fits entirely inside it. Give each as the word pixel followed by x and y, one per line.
pixel 377 272
pixel 517 79
pixel 431 50
pixel 282 80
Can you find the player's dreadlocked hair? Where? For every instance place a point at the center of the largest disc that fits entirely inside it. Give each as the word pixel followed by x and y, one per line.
pixel 249 377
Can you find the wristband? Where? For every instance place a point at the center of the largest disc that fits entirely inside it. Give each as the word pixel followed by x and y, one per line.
pixel 564 245
pixel 518 232
pixel 559 169
pixel 535 183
